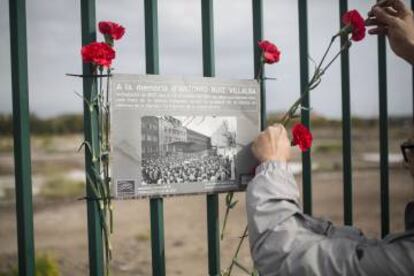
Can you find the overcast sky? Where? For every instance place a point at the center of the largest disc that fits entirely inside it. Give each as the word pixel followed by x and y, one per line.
pixel 53 28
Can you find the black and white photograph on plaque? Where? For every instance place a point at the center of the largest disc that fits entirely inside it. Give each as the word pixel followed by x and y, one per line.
pixel 181 135
pixel 188 149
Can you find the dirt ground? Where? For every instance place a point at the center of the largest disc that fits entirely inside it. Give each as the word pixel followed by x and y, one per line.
pixel 60 226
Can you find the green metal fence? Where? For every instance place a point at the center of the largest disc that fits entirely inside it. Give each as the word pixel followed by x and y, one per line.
pixel 22 140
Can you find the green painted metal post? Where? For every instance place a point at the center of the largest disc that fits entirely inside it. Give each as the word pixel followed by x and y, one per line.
pixel 304 79
pixel 21 134
pixel 346 126
pixel 383 118
pixel 213 223
pixel 156 204
pixel 257 6
pixel 157 236
pixel 213 235
pixel 95 241
pixel 412 70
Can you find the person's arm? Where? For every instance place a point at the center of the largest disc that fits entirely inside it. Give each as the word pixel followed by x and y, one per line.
pixel 284 241
pixel 395 20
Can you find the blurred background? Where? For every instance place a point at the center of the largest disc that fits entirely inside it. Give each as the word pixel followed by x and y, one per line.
pixel 54 41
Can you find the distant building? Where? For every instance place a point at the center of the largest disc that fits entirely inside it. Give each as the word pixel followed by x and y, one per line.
pixel 150 135
pixel 166 135
pixel 171 130
pixel 198 141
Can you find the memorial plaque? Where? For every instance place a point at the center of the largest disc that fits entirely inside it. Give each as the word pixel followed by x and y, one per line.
pixel 181 135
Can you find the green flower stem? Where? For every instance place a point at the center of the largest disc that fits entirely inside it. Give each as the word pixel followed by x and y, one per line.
pixel 259 76
pixel 327 51
pixel 313 83
pixel 102 184
pixel 344 47
pixel 107 111
pixel 100 103
pixel 94 84
pixel 229 198
pixel 315 80
pixel 106 148
pixel 242 267
pixel 242 238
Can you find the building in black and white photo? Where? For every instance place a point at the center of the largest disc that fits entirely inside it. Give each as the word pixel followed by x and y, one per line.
pixel 187 149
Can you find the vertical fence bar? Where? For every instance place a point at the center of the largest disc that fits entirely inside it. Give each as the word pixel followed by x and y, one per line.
pixel 157 236
pixel 213 232
pixel 346 125
pixel 305 118
pixel 95 243
pixel 156 204
pixel 21 135
pixel 383 132
pixel 257 36
pixel 412 70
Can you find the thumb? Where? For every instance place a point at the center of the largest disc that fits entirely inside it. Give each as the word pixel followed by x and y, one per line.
pixel 383 17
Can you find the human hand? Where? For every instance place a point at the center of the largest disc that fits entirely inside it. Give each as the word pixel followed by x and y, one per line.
pixel 272 144
pixel 394 19
pixel 410 165
pixel 409 156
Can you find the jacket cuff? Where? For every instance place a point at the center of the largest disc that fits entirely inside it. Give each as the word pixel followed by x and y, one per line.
pixel 271 165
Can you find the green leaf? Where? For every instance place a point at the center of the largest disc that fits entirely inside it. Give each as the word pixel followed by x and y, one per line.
pixel 242 267
pixel 82 97
pixel 88 146
pixel 229 198
pixel 231 206
pixel 91 183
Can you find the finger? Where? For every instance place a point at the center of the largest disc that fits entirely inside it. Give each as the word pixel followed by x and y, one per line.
pixel 406 165
pixel 284 131
pixel 277 127
pixel 383 17
pixel 256 140
pixel 391 11
pixel 254 145
pixel 379 31
pixel 275 130
pixel 397 5
pixel 372 21
pixel 383 3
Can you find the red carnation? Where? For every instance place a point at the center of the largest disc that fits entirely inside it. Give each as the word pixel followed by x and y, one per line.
pixel 112 30
pixel 98 53
pixel 354 19
pixel 301 137
pixel 271 53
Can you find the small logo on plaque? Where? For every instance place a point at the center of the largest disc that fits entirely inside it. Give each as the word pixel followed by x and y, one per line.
pixel 125 187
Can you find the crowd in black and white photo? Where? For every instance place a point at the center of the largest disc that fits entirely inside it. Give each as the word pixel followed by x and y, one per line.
pixel 184 169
